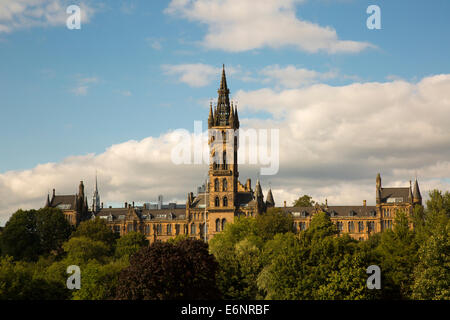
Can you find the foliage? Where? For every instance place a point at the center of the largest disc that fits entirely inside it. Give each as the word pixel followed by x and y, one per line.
pixel 272 222
pixel 28 234
pixel 97 230
pixel 304 201
pixel 162 271
pixel 130 243
pixel 18 282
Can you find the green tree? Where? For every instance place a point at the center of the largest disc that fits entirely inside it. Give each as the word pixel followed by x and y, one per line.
pixel 304 201
pixel 53 229
pixel 130 243
pixel 17 282
pixel 81 250
pixel 398 255
pixel 272 222
pixel 432 274
pixel 97 230
pixel 19 238
pixel 99 282
pixel 28 234
pixel 165 271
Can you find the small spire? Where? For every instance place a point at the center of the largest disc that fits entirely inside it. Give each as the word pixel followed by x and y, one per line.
pixel 269 201
pixel 47 203
pixel 417 197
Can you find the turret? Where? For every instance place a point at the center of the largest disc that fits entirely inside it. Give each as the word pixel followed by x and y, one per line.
pixel 378 189
pixel 270 203
pixel 417 197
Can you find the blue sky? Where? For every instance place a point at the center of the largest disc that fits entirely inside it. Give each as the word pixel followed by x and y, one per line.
pixel 139 69
pixel 44 120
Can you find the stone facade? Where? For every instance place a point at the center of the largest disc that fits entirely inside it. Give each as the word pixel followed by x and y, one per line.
pixel 224 197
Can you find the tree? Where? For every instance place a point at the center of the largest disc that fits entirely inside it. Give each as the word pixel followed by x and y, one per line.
pixel 304 201
pixel 237 251
pixel 28 234
pixel 20 239
pixel 398 256
pixel 99 282
pixel 130 243
pixel 81 250
pixel 165 271
pixel 272 222
pixel 53 229
pixel 97 230
pixel 18 282
pixel 432 274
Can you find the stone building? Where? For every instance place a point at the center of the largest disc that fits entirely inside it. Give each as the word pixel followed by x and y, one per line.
pixel 224 197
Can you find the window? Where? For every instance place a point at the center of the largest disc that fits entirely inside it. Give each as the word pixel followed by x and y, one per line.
pixel 216 185
pixel 370 226
pixel 225 202
pixel 193 229
pixel 224 167
pixel 302 226
pixel 224 185
pixel 169 229
pixel 177 229
pixel 294 227
pixel 158 229
pixel 147 229
pixel 116 229
pixel 351 226
pixel 217 202
pixel 339 226
pixel 217 225
pixel 130 227
pixel 360 226
pixel 224 222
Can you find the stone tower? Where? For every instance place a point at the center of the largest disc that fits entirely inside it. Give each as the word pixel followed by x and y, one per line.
pixel 223 125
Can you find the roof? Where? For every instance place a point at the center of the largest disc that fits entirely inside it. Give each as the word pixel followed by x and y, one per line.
pixel 199 200
pixel 113 214
pixel 333 211
pixel 394 194
pixel 64 202
pixel 245 199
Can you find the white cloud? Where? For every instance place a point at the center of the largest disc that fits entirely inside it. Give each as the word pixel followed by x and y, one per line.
pixel 197 74
pixel 241 25
pixel 333 141
pixel 83 84
pixel 20 14
pixel 292 77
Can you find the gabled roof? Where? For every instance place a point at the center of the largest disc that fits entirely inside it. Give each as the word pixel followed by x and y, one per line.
pixel 333 211
pixel 64 202
pixel 387 193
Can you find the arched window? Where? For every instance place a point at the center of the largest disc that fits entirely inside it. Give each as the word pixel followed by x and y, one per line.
pixel 224 160
pixel 224 222
pixel 351 226
pixel 216 184
pixel 224 185
pixel 217 225
pixel 217 202
pixel 225 201
pixel 193 229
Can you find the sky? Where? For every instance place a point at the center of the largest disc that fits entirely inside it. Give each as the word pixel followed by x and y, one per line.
pixel 348 101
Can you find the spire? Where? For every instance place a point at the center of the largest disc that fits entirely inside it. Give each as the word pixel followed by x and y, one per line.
pixel 378 181
pixel 96 197
pixel 223 101
pixel 417 197
pixel 410 195
pixel 211 116
pixel 81 190
pixel 236 117
pixel 258 190
pixel 269 201
pixel 47 203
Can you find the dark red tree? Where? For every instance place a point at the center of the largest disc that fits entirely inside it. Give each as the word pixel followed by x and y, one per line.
pixel 165 271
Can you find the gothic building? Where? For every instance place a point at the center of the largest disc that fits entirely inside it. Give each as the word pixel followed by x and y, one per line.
pixel 224 197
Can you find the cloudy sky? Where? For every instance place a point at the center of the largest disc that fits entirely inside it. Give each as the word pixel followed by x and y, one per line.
pixel 348 101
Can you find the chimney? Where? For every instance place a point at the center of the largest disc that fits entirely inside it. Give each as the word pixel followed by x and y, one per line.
pixel 133 204
pixel 285 203
pixel 102 205
pixel 126 205
pixel 53 193
pixel 364 203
